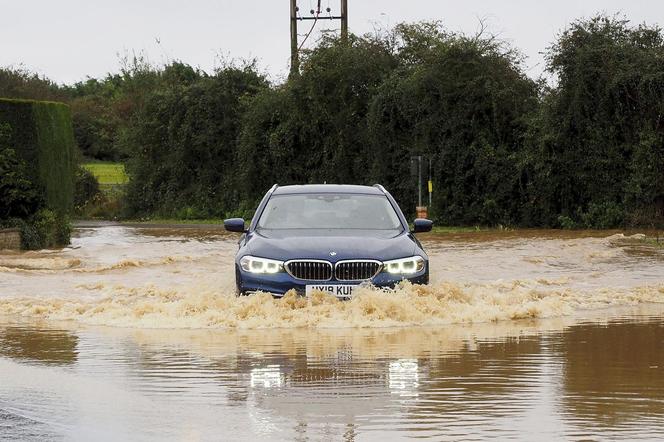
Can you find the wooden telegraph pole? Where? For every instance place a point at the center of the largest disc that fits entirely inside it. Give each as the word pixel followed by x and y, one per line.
pixel 344 21
pixel 315 15
pixel 294 59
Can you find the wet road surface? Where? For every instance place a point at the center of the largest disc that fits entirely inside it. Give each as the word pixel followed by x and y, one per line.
pixel 135 334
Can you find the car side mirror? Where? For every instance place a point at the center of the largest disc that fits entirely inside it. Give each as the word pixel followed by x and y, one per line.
pixel 422 225
pixel 234 225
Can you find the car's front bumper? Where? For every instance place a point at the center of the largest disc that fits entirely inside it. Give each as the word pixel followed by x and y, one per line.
pixel 279 283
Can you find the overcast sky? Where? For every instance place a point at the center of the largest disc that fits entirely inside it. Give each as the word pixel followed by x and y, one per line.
pixel 68 40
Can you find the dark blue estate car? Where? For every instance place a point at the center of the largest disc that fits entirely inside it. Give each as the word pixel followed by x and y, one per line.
pixel 327 237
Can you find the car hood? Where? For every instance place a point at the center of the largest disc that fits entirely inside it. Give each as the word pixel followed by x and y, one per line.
pixel 319 244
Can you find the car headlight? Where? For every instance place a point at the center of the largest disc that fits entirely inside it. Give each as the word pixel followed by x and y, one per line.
pixel 252 264
pixel 404 266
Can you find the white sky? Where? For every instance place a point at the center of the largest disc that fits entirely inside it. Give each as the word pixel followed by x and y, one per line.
pixel 68 40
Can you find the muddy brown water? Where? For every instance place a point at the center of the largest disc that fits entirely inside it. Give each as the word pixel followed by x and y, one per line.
pixel 135 334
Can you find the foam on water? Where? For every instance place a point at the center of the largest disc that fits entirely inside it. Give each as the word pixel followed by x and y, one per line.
pixel 63 265
pixel 128 278
pixel 407 305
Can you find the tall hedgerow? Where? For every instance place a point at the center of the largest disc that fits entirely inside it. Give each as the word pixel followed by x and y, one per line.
pixel 37 164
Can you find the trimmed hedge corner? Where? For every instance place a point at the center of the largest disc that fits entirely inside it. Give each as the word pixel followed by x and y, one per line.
pixel 42 135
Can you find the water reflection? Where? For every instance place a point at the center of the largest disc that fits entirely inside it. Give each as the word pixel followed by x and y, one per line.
pixel 404 377
pixel 267 377
pixel 613 373
pixel 39 345
pixel 524 379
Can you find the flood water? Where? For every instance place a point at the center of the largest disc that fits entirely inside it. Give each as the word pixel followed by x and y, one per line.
pixel 135 334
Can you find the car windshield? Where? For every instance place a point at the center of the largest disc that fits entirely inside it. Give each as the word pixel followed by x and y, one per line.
pixel 329 211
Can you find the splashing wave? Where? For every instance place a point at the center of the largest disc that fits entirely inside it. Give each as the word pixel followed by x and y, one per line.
pixel 407 305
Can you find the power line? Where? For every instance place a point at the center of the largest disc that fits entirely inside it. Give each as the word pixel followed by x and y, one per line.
pixel 315 16
pixel 313 25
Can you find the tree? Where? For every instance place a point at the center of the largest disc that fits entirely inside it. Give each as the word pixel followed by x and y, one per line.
pixel 462 101
pixel 313 129
pixel 183 145
pixel 601 126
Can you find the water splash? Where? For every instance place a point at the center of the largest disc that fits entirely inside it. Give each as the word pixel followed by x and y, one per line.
pixel 407 305
pixel 126 278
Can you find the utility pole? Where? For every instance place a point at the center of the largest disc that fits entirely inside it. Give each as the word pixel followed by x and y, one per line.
pixel 294 59
pixel 315 16
pixel 344 21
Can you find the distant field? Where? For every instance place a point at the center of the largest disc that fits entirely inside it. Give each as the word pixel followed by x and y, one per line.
pixel 108 174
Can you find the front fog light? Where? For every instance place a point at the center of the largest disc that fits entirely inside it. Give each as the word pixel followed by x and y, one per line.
pixel 252 264
pixel 404 266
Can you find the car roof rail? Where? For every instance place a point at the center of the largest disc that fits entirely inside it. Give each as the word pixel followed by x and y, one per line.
pixel 381 188
pixel 273 188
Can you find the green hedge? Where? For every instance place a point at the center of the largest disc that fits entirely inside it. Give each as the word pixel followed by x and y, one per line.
pixel 42 134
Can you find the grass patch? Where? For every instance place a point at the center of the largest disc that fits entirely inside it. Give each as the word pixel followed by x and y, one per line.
pixel 108 174
pixel 113 181
pixel 656 241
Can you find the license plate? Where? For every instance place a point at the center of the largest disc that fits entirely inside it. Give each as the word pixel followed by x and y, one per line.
pixel 338 290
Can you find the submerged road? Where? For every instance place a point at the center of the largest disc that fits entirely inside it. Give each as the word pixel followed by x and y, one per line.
pixel 135 333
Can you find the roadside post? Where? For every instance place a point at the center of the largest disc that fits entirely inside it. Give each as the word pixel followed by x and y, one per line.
pixel 420 210
pixel 430 183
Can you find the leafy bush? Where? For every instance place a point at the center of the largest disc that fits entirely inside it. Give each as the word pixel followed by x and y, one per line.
pixel 45 229
pixel 597 135
pixel 504 149
pixel 314 128
pixel 358 112
pixel 189 213
pixel 450 103
pixel 102 206
pixel 86 187
pixel 567 223
pixel 18 82
pixel 96 128
pixel 603 215
pixel 183 145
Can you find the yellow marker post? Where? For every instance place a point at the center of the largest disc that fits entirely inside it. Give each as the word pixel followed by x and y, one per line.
pixel 430 183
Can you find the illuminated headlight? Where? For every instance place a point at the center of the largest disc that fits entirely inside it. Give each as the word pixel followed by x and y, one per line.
pixel 404 266
pixel 252 264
